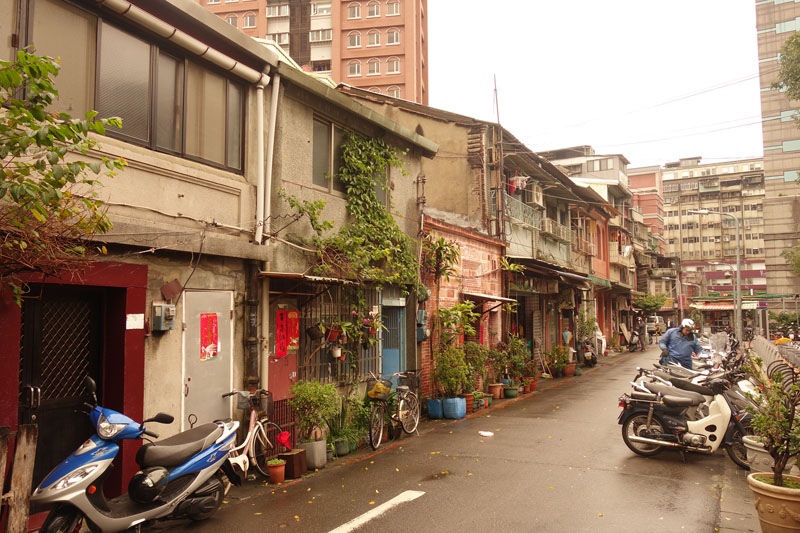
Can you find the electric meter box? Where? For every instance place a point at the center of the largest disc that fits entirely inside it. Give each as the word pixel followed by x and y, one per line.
pixel 163 316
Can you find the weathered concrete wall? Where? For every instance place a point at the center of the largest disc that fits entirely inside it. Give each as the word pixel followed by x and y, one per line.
pixel 163 390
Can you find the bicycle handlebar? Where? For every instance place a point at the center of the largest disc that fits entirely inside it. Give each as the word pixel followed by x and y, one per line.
pixel 255 392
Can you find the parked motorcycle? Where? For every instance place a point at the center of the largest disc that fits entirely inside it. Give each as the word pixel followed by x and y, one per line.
pixel 652 422
pixel 180 476
pixel 586 353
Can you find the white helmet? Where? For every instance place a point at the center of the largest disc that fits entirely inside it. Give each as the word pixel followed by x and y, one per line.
pixel 687 323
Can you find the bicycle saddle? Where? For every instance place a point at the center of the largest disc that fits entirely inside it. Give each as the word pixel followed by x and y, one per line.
pixel 178 449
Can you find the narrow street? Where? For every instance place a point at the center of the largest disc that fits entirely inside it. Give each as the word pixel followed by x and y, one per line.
pixel 556 462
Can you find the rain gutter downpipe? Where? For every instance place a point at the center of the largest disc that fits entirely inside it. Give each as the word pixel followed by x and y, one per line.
pixel 266 196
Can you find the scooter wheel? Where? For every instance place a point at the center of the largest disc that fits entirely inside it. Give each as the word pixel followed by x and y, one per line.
pixel 636 426
pixel 62 519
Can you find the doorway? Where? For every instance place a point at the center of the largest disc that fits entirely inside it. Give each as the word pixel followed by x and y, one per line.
pixel 61 343
pixel 394 350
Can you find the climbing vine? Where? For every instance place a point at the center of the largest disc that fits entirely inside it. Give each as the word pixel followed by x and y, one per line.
pixel 371 246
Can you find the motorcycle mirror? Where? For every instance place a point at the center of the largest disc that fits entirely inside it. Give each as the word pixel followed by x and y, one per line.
pixel 161 418
pixel 91 388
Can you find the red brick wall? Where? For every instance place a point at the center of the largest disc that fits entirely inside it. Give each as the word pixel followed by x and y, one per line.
pixel 477 272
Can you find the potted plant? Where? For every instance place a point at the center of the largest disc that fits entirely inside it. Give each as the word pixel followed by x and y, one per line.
pixel 277 470
pixel 313 403
pixel 450 376
pixel 333 331
pixel 776 423
pixel 476 356
pixel 316 332
pixel 498 361
pixel 339 427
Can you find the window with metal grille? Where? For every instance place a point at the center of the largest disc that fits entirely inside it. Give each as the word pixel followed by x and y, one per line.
pixel 335 303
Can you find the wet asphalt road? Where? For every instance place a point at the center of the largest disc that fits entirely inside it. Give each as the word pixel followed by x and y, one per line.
pixel 556 462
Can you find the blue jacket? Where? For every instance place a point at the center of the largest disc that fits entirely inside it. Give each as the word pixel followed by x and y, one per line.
pixel 680 347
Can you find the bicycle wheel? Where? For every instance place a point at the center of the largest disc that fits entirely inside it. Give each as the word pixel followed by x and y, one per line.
pixel 265 446
pixel 408 412
pixel 377 414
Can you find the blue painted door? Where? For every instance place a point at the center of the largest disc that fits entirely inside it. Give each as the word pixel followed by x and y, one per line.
pixel 394 353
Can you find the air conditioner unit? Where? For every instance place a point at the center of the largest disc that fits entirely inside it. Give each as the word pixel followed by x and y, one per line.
pixel 536 194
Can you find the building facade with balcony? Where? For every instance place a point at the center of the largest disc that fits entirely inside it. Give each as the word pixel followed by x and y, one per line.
pixel 607 175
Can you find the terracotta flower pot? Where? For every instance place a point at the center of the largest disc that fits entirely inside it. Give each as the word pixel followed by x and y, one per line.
pixel 778 507
pixel 277 473
pixel 468 398
pixel 569 370
pixel 496 390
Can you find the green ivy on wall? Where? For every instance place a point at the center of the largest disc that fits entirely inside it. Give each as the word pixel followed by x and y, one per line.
pixel 370 247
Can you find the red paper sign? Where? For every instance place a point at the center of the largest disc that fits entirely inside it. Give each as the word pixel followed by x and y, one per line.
pixel 281 332
pixel 209 336
pixel 293 329
pixel 287 332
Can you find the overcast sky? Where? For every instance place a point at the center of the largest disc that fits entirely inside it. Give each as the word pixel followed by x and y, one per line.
pixel 654 81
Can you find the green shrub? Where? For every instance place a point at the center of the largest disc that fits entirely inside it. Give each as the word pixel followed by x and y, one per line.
pixel 450 370
pixel 313 403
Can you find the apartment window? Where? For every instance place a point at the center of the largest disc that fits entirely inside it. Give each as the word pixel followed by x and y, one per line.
pixel 75 83
pixel 392 8
pixel 373 38
pixel 232 20
pixel 393 36
pixel 319 36
pixel 230 1
pixel 393 65
pixel 354 68
pixel 321 8
pixel 354 11
pixel 155 108
pixel 393 91
pixel 280 10
pixel 213 2
pixel 249 20
pixel 327 140
pixel 373 9
pixel 280 38
pixel 354 40
pixel 376 90
pixel 373 67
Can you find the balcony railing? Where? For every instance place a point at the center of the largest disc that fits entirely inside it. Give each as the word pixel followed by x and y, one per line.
pixel 615 221
pixel 522 212
pixel 662 273
pixel 559 231
pixel 617 258
pixel 582 246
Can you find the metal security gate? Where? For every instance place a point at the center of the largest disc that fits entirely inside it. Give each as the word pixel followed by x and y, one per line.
pixel 61 343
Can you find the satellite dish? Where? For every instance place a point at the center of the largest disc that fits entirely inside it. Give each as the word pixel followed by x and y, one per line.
pixel 626 251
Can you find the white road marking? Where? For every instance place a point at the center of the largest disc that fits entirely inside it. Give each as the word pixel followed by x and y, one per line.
pixel 357 522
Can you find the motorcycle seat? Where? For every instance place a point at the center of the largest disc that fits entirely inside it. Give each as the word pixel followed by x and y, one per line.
pixel 667 390
pixel 178 449
pixel 687 385
pixel 678 401
pixel 636 395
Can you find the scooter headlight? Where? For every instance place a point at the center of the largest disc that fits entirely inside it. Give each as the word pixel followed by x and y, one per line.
pixel 106 429
pixel 75 477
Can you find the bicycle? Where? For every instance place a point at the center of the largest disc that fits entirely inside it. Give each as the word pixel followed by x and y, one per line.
pixel 407 414
pixel 257 446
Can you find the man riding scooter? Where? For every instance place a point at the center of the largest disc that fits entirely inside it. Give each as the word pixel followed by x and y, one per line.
pixel 678 345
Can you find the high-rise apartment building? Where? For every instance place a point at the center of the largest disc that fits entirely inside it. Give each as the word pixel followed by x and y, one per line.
pixel 735 188
pixel 377 45
pixel 777 20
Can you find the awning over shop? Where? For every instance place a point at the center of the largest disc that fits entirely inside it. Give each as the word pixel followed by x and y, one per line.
pixel 486 297
pixel 706 306
pixel 600 282
pixel 297 275
pixel 574 279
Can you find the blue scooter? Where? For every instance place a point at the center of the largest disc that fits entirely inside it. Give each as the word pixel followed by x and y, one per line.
pixel 180 476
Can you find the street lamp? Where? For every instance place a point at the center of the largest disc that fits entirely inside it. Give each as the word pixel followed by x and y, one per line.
pixel 737 306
